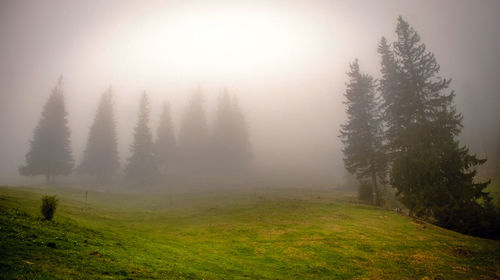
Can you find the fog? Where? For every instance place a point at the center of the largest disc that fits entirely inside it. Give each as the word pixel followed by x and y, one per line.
pixel 285 60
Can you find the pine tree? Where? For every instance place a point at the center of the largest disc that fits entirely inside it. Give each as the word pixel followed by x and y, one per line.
pixel 223 134
pixel 230 143
pixel 165 141
pixel 243 147
pixel 362 134
pixel 193 135
pixel 100 158
pixel 388 90
pixel 50 150
pixel 141 167
pixel 433 174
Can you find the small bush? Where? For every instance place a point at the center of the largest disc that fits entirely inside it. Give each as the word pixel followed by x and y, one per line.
pixel 49 205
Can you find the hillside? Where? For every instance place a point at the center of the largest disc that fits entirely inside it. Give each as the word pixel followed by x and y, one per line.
pixel 265 234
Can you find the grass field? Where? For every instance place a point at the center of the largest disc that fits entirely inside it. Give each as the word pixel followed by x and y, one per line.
pixel 494 190
pixel 266 234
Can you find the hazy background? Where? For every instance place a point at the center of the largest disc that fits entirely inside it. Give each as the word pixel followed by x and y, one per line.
pixel 286 60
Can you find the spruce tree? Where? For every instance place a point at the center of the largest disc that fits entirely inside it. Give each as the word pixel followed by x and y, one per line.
pixel 222 147
pixel 433 174
pixel 387 87
pixel 165 141
pixel 230 143
pixel 243 147
pixel 193 135
pixel 50 150
pixel 362 135
pixel 141 167
pixel 100 158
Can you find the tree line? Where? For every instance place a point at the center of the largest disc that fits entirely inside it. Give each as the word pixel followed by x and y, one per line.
pixel 402 130
pixel 221 150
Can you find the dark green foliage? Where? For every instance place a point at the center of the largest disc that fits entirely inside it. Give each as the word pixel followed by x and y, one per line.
pixel 490 220
pixel 50 150
pixel 433 174
pixel 165 144
pixel 230 141
pixel 49 206
pixel 142 167
pixel 100 158
pixel 362 135
pixel 390 98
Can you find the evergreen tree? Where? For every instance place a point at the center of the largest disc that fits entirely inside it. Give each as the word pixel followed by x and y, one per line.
pixel 165 141
pixel 223 134
pixel 230 143
pixel 242 144
pixel 50 150
pixel 100 157
pixel 433 174
pixel 141 167
pixel 388 90
pixel 193 135
pixel 362 135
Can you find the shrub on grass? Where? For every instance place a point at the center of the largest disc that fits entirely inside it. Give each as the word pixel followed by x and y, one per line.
pixel 49 205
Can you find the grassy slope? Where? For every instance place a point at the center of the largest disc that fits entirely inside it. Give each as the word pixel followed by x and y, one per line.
pixel 494 190
pixel 273 234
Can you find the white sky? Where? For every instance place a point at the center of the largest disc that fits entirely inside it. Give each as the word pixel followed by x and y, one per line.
pixel 286 60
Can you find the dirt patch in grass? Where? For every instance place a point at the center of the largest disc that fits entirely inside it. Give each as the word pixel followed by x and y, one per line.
pixel 461 252
pixel 95 254
pixel 422 257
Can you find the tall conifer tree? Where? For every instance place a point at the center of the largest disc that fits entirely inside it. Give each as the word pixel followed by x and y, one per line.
pixel 165 142
pixel 50 150
pixel 433 174
pixel 243 147
pixel 362 135
pixel 100 158
pixel 222 146
pixel 230 143
pixel 142 167
pixel 193 135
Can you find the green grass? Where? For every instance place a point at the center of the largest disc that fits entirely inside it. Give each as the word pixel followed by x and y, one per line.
pixel 270 234
pixel 494 190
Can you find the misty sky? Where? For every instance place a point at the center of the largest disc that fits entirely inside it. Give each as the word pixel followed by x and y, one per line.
pixel 286 60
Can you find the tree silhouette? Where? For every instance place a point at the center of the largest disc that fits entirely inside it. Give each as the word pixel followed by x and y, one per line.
pixel 193 135
pixel 100 157
pixel 362 135
pixel 230 143
pixel 165 142
pixel 50 150
pixel 241 144
pixel 433 174
pixel 141 167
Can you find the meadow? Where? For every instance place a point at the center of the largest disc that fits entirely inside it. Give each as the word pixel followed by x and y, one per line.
pixel 262 233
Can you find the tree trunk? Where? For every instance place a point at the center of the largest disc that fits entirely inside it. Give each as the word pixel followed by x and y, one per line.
pixel 47 179
pixel 374 188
